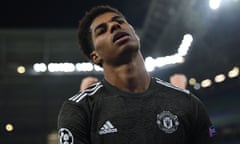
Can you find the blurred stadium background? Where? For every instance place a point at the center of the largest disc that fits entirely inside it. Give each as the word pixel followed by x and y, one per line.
pixel 198 38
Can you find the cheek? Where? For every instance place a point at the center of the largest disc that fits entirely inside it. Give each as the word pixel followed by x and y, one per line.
pixel 134 33
pixel 101 45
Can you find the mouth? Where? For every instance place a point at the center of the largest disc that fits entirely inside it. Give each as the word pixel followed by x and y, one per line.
pixel 119 36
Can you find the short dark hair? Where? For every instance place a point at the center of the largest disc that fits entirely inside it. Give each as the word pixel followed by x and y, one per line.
pixel 84 33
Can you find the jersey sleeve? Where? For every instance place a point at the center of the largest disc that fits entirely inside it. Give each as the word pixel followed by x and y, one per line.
pixel 203 130
pixel 73 123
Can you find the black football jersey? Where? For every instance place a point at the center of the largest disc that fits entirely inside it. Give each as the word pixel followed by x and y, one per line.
pixel 163 114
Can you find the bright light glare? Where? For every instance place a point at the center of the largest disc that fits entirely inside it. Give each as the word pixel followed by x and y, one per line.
pixel 66 67
pixel 149 64
pixel 40 67
pixel 184 46
pixel 206 83
pixel 21 69
pixel 84 66
pixel 9 127
pixel 234 72
pixel 219 78
pixel 61 67
pixel 98 68
pixel 192 81
pixel 214 4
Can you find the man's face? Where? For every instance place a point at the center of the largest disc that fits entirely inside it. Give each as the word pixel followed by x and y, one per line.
pixel 114 40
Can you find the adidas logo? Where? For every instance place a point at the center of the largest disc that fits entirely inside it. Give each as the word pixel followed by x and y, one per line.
pixel 107 128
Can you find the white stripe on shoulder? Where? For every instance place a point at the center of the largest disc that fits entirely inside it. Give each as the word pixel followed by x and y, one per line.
pixel 159 81
pixel 87 92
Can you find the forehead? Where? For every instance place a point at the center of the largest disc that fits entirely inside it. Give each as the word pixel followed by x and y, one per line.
pixel 103 18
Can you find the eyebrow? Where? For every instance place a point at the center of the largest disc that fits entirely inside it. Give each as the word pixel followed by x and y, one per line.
pixel 114 18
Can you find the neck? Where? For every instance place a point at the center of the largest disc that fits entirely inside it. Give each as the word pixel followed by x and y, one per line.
pixel 130 77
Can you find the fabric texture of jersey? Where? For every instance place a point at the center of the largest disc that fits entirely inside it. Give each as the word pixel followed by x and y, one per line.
pixel 163 114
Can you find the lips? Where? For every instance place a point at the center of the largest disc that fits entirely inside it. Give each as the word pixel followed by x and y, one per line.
pixel 119 35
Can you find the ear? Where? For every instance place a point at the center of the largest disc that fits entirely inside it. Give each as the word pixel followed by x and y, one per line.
pixel 95 57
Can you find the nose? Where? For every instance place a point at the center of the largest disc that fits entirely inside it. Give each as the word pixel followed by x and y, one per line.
pixel 115 26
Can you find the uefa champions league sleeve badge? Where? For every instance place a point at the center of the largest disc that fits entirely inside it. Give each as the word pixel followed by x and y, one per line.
pixel 65 136
pixel 167 122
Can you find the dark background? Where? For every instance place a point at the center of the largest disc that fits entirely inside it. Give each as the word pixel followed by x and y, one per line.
pixel 45 31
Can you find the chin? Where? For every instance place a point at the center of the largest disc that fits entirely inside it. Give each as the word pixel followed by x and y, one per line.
pixel 129 51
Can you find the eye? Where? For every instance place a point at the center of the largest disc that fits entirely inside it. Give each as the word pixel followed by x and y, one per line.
pixel 120 21
pixel 100 30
